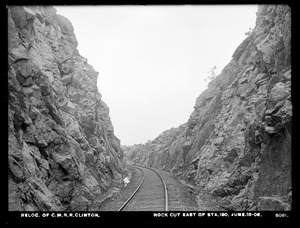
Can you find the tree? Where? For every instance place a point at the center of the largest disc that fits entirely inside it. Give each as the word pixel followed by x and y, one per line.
pixel 249 32
pixel 211 74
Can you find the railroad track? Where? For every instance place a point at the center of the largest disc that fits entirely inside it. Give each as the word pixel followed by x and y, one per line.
pixel 150 195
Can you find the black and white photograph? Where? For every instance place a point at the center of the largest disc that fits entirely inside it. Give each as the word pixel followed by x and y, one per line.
pixel 162 112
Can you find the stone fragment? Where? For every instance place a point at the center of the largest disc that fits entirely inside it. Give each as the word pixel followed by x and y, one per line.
pixel 278 93
pixel 219 141
pixel 66 80
pixel 270 130
pixel 28 137
pixel 28 82
pixel 26 68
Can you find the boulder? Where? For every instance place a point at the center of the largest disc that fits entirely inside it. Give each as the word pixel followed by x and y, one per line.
pixel 278 93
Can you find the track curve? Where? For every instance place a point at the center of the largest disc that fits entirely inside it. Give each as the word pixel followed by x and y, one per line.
pixel 150 195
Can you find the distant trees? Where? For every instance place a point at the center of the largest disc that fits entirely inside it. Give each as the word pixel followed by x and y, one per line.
pixel 211 74
pixel 249 32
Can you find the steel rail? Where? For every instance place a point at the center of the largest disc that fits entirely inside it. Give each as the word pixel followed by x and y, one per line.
pixel 133 194
pixel 165 189
pixel 138 188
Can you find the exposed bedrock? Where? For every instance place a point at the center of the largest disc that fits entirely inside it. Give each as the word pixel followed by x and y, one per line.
pixel 63 153
pixel 237 141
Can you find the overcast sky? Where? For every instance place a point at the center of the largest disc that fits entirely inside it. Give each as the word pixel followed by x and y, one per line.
pixel 152 60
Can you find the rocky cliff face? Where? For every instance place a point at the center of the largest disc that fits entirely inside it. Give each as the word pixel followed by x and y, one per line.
pixel 156 153
pixel 62 150
pixel 237 142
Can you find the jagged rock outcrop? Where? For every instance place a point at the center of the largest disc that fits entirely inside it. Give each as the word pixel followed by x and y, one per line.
pixel 237 142
pixel 159 152
pixel 62 151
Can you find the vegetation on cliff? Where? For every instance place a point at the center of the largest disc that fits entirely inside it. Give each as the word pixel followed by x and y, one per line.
pixel 237 142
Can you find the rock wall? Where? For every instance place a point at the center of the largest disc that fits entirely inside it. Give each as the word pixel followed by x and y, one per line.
pixel 62 151
pixel 159 153
pixel 237 142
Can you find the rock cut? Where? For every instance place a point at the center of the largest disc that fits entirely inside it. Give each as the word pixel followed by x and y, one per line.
pixel 62 151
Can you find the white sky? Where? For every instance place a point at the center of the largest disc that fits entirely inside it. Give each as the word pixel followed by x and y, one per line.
pixel 152 59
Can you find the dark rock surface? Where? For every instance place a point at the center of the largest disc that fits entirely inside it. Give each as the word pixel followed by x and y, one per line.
pixel 63 153
pixel 236 144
